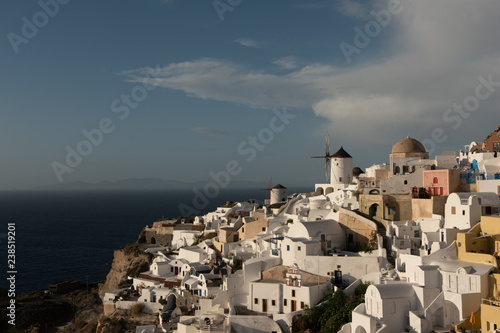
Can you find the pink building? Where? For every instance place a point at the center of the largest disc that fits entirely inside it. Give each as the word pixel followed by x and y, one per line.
pixel 442 182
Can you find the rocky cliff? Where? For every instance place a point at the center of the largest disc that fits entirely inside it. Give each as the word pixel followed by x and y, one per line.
pixel 129 260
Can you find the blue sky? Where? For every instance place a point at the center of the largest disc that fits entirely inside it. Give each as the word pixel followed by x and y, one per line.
pixel 217 82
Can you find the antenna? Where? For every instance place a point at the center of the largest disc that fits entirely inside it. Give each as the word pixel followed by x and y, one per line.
pixel 327 156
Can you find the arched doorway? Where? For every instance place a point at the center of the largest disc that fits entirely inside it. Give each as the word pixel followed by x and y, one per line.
pixel 153 240
pixel 374 191
pixel 329 190
pixel 319 191
pixel 374 210
pixel 360 329
pixel 171 302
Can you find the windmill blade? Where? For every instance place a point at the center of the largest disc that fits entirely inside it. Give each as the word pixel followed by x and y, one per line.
pixel 326 170
pixel 327 155
pixel 327 144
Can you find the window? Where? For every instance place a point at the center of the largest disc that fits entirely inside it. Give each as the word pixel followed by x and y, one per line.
pixel 293 293
pixel 416 233
pixel 171 269
pixel 472 286
pixel 406 182
pixel 288 247
pixel 273 302
pixel 302 305
pixel 285 302
pixel 406 169
pixel 451 281
pixel 453 210
pixel 299 248
pixel 255 301
pixel 435 180
pixel 242 229
pixel 264 229
pixel 463 212
pixel 340 179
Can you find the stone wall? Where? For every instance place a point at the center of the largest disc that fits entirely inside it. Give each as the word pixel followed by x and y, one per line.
pixel 359 230
pixel 154 238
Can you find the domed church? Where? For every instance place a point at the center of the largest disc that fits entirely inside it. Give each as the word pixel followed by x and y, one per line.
pixel 404 152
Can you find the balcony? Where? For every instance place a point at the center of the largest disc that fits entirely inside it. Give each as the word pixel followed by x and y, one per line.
pixel 491 301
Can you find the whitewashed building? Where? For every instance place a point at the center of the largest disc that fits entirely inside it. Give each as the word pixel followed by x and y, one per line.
pixel 464 210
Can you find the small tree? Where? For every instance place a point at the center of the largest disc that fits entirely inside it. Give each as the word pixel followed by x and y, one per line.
pixel 237 264
pixel 136 309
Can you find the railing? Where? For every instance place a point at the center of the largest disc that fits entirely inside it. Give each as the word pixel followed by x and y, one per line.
pixel 492 302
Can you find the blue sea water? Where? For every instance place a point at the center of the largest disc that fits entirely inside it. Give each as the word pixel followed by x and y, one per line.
pixel 71 235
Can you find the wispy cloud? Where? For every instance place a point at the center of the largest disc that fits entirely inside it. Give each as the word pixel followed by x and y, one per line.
pixel 226 81
pixel 352 8
pixel 247 42
pixel 434 61
pixel 289 62
pixel 348 8
pixel 215 132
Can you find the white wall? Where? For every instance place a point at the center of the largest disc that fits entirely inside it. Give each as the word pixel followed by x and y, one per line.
pixel 465 217
pixel 490 186
pixel 192 255
pixel 352 268
pixel 268 291
pixel 291 254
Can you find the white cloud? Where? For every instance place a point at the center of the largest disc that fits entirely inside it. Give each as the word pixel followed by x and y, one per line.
pixel 225 81
pixel 434 60
pixel 286 62
pixel 247 42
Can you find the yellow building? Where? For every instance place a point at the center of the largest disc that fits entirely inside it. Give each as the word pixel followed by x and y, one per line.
pixel 482 244
pixel 253 225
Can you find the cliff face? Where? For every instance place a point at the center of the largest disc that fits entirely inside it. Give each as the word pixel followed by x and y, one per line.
pixel 129 260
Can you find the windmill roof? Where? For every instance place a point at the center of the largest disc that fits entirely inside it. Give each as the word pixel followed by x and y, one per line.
pixel 279 186
pixel 341 153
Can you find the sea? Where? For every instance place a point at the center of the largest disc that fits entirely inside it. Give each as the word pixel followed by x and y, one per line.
pixel 71 235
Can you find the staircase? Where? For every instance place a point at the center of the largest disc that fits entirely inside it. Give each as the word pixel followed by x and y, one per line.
pixel 381 231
